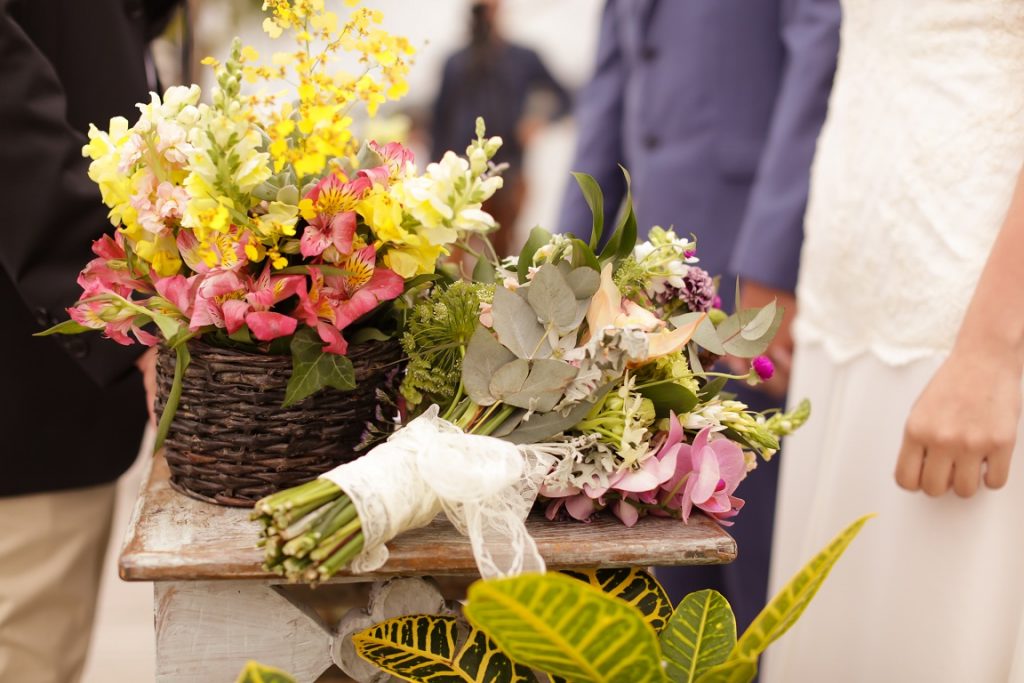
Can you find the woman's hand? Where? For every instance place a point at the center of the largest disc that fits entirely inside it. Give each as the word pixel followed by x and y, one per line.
pixel 964 425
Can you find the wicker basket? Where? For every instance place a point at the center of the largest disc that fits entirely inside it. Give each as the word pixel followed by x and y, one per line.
pixel 231 442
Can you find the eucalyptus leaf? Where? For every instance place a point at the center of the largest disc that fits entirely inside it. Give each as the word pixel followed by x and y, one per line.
pixel 595 200
pixel 761 323
pixel 517 327
pixel 733 341
pixel 551 298
pixel 543 388
pixel 509 379
pixel 537 239
pixel 693 353
pixel 705 334
pixel 484 355
pixel 313 368
pixel 543 426
pixel 584 281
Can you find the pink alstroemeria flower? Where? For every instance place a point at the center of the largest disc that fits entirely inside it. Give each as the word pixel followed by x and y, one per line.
pixel 227 299
pixel 225 251
pixel 115 318
pixel 330 209
pixel 335 301
pixel 108 273
pixel 397 159
pixel 707 473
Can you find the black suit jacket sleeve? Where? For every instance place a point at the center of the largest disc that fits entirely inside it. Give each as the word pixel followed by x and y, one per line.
pixel 52 211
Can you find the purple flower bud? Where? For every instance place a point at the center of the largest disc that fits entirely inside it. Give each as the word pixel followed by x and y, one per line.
pixel 690 253
pixel 764 367
pixel 716 302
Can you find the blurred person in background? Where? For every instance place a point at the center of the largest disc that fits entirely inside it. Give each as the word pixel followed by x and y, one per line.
pixel 66 440
pixel 497 80
pixel 715 108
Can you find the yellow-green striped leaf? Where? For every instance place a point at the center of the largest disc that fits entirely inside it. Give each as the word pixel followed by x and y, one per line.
pixel 566 628
pixel 700 635
pixel 783 611
pixel 254 672
pixel 634 585
pixel 423 648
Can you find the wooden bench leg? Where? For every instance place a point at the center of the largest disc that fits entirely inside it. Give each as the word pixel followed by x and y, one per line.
pixel 207 630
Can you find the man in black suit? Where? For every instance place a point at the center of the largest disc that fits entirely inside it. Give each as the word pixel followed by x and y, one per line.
pixel 65 440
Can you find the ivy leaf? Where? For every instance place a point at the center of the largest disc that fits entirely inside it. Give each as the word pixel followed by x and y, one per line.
pixel 313 369
pixel 484 356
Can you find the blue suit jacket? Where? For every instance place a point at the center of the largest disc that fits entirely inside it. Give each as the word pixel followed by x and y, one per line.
pixel 714 107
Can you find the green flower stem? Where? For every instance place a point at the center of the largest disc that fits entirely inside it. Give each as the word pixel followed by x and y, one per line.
pixel 488 427
pixel 455 401
pixel 181 361
pixel 341 558
pixel 335 541
pixel 305 523
pixel 342 514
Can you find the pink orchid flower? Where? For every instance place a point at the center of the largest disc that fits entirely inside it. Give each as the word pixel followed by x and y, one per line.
pixel 227 299
pixel 706 475
pixel 330 209
pixel 608 309
pixel 336 301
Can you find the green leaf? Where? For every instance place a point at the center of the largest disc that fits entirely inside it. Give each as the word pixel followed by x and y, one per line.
pixel 595 200
pixel 634 585
pixel 669 397
pixel 551 298
pixel 542 426
pixel 784 610
pixel 366 334
pixel 484 356
pixel 66 327
pixel 313 368
pixel 583 255
pixel 537 239
pixel 424 648
pixel 254 672
pixel 483 271
pixel 566 627
pixel 700 635
pixel 241 335
pixel 623 240
pixel 712 388
pixel 516 324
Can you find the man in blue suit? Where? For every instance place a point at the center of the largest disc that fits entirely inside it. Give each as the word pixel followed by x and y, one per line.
pixel 715 106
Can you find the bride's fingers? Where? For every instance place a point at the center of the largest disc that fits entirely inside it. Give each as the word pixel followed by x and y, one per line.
pixel 936 472
pixel 997 469
pixel 908 465
pixel 966 476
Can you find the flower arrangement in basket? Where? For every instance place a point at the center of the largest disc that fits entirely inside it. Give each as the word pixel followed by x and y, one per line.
pixel 260 242
pixel 575 375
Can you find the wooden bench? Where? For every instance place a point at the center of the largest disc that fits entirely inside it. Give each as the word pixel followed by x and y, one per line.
pixel 215 607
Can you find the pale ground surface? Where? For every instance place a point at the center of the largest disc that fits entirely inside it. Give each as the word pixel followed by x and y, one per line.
pixel 123 644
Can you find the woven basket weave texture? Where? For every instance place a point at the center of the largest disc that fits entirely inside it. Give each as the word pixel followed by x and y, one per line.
pixel 231 442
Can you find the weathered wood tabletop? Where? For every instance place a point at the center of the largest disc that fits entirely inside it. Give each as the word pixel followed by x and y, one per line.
pixel 175 538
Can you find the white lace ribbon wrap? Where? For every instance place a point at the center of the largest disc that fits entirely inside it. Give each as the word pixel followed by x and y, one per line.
pixel 485 486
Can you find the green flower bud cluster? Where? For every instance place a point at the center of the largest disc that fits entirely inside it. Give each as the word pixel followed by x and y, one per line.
pixel 751 430
pixel 672 367
pixel 437 332
pixel 631 278
pixel 784 424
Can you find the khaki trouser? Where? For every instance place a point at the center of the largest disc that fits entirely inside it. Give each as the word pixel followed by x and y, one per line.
pixel 51 553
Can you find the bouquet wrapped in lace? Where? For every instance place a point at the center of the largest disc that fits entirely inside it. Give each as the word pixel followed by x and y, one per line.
pixel 571 374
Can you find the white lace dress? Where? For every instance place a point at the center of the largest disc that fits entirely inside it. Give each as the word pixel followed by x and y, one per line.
pixel 913 176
